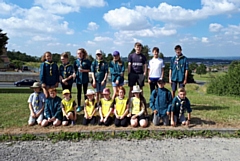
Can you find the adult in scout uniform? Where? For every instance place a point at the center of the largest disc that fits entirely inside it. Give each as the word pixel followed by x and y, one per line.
pixel 178 72
pixel 82 68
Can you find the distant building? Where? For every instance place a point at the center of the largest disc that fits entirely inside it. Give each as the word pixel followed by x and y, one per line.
pixel 4 63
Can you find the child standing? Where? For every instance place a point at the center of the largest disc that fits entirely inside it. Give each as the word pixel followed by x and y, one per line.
pixel 180 104
pixel 36 104
pixel 117 69
pixel 105 109
pixel 49 74
pixel 155 69
pixel 68 108
pixel 137 68
pixel 99 70
pixel 160 103
pixel 178 72
pixel 52 110
pixel 82 67
pixel 66 73
pixel 120 105
pixel 90 108
pixel 137 108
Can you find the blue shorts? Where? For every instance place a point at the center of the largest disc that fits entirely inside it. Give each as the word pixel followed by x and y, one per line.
pixel 99 88
pixel 181 120
pixel 114 84
pixel 154 79
pixel 174 85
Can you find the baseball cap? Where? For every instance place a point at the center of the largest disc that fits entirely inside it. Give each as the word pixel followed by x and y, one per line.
pixel 116 53
pixel 65 91
pixel 98 51
pixel 106 91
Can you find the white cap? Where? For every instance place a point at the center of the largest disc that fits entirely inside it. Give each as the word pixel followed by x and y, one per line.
pixel 98 51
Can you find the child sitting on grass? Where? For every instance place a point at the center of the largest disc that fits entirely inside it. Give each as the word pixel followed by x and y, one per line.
pixel 90 108
pixel 36 104
pixel 137 108
pixel 180 104
pixel 105 109
pixel 52 110
pixel 160 103
pixel 68 108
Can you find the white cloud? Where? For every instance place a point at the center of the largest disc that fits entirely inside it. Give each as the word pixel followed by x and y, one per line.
pixel 67 6
pixel 91 43
pixel 215 27
pixel 6 8
pixel 99 38
pixel 54 44
pixel 42 38
pixel 92 26
pixel 128 4
pixel 126 19
pixel 205 40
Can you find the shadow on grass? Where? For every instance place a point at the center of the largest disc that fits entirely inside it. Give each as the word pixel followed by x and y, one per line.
pixel 198 121
pixel 204 107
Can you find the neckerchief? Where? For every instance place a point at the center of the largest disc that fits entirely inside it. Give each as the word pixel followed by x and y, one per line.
pixel 50 70
pixel 177 59
pixel 65 70
pixel 37 100
pixel 80 64
pixel 100 62
pixel 182 108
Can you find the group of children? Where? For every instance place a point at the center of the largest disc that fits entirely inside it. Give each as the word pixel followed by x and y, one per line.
pixel 48 108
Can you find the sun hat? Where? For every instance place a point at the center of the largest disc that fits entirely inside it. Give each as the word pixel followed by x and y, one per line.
pixel 106 91
pixel 116 53
pixel 90 92
pixel 98 51
pixel 136 89
pixel 65 91
pixel 36 85
pixel 161 80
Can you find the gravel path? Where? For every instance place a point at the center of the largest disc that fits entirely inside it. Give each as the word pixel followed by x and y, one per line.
pixel 196 149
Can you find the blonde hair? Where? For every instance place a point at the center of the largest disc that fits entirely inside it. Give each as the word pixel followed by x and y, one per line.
pixel 182 90
pixel 43 58
pixel 85 54
pixel 65 55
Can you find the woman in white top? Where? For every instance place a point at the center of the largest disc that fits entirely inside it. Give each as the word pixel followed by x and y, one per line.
pixel 155 69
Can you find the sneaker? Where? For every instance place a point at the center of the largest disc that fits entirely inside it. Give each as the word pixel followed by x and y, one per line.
pixel 73 123
pixel 78 108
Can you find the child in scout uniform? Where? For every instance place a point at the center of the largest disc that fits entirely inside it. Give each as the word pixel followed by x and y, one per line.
pixel 90 108
pixel 99 70
pixel 68 108
pixel 36 104
pixel 117 69
pixel 52 110
pixel 82 67
pixel 49 74
pixel 160 103
pixel 105 108
pixel 178 72
pixel 180 104
pixel 120 105
pixel 66 73
pixel 137 108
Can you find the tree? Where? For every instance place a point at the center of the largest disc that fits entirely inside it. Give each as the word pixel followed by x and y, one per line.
pixel 201 69
pixel 90 57
pixel 109 58
pixel 193 66
pixel 145 51
pixel 3 40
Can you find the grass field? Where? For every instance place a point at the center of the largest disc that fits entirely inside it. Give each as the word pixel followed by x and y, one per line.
pixel 208 110
pixel 207 77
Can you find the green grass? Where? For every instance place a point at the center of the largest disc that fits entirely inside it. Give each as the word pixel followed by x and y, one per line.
pixel 207 77
pixel 207 109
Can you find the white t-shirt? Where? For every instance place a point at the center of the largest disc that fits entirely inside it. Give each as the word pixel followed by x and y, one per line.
pixel 155 66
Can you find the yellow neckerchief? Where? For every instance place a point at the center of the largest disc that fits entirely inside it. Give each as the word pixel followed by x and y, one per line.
pixel 65 69
pixel 177 59
pixel 37 100
pixel 50 71
pixel 99 65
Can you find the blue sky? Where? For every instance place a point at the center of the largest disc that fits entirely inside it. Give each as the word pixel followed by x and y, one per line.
pixel 204 28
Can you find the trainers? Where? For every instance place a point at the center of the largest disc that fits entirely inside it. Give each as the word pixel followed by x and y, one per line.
pixel 78 108
pixel 73 123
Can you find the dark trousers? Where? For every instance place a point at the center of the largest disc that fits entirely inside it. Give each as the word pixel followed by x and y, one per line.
pixel 153 85
pixel 67 87
pixel 107 123
pixel 121 122
pixel 91 121
pixel 79 92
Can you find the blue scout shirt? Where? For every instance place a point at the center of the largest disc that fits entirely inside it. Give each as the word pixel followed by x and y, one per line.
pixel 53 108
pixel 49 73
pixel 178 65
pixel 161 101
pixel 116 70
pixel 65 70
pixel 99 68
pixel 176 106
pixel 82 77
pixel 137 62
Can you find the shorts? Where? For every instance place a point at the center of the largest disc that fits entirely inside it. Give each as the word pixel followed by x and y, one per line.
pixel 174 85
pixel 114 84
pixel 179 120
pixel 99 88
pixel 32 120
pixel 142 117
pixel 134 78
pixel 154 79
pixel 65 118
